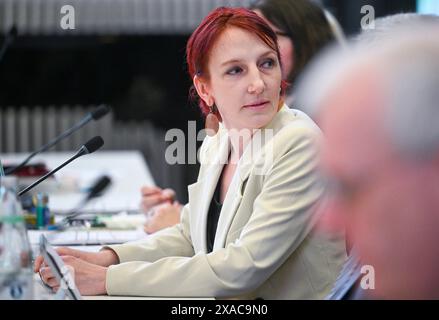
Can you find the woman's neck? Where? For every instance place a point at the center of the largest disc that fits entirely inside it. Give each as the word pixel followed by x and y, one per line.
pixel 239 139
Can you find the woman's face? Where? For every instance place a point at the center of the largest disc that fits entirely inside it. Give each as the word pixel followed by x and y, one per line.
pixel 244 80
pixel 286 47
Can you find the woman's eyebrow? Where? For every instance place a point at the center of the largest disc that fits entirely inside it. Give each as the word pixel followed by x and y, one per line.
pixel 232 61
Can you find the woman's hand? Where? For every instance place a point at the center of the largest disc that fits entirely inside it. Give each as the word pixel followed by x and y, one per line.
pixel 89 269
pixel 89 279
pixel 103 258
pixel 153 196
pixel 163 216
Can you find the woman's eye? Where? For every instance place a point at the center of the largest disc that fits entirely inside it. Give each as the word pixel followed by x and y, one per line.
pixel 268 63
pixel 234 71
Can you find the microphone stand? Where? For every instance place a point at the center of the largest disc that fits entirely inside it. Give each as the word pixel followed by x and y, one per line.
pixel 94 115
pixel 49 145
pixel 77 155
pixel 91 146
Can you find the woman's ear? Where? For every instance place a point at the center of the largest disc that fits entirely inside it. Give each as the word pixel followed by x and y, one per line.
pixel 203 90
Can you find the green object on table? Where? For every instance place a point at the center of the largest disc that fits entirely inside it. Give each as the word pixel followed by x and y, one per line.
pixel 40 212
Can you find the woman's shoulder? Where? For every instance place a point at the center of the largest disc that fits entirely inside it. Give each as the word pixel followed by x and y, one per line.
pixel 290 123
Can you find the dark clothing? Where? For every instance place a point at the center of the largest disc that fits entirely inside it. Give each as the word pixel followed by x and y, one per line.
pixel 213 216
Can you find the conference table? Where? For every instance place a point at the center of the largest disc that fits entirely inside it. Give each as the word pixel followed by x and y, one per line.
pixel 120 203
pixel 127 171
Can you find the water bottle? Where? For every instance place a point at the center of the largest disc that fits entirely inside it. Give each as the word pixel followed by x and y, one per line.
pixel 16 275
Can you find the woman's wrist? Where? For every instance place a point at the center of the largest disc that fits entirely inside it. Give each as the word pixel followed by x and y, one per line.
pixel 103 282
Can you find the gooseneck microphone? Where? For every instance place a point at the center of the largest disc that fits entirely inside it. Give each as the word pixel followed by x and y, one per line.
pixel 91 146
pixel 10 36
pixel 96 114
pixel 95 191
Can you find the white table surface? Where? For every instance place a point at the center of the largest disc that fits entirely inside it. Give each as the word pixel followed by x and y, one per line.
pixel 127 170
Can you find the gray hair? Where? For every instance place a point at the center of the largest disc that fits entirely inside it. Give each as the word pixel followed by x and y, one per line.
pixel 384 26
pixel 406 58
pixel 412 75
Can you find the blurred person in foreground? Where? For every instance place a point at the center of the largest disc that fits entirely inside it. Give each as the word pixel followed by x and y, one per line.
pixel 248 230
pixel 380 117
pixel 323 72
pixel 303 29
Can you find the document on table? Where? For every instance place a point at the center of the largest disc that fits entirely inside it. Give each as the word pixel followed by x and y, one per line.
pixel 82 237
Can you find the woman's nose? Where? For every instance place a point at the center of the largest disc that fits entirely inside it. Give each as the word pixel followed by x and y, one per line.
pixel 257 84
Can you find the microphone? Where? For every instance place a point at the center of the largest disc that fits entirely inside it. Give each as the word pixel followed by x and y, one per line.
pixel 10 36
pixel 96 190
pixel 95 115
pixel 91 146
pixel 99 112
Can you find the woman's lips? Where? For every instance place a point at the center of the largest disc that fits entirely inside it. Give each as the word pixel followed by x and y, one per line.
pixel 257 105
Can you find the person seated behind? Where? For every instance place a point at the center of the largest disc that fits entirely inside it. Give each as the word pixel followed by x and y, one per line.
pixel 160 207
pixel 303 30
pixel 248 230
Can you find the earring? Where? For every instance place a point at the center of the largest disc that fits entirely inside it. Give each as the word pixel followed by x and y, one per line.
pixel 212 122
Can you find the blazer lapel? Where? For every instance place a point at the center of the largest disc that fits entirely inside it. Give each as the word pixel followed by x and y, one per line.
pixel 245 165
pixel 200 193
pixel 233 197
pixel 230 205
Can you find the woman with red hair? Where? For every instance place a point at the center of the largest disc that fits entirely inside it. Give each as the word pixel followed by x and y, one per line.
pixel 248 228
pixel 303 30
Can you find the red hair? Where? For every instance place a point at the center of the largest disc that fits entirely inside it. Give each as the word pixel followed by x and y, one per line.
pixel 213 25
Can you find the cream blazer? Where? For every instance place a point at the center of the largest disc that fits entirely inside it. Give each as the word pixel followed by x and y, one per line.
pixel 265 246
